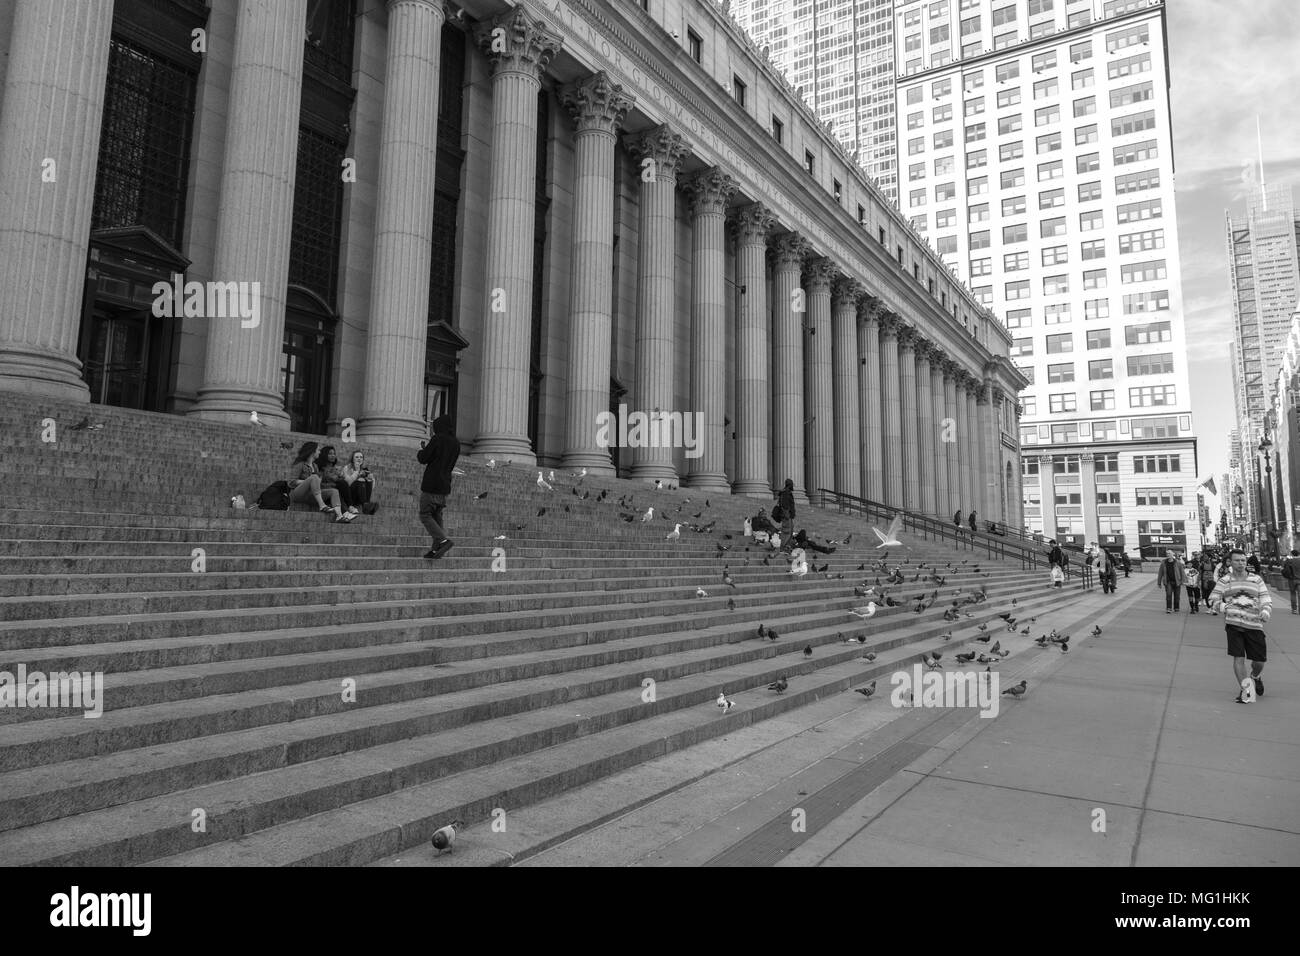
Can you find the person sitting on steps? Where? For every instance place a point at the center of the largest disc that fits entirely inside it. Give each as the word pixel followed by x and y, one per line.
pixel 359 483
pixel 761 522
pixel 813 543
pixel 304 483
pixel 331 478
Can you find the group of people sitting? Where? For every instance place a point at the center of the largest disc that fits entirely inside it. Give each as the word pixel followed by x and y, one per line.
pixel 342 490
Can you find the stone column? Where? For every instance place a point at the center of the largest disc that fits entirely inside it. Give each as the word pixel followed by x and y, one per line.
pixel 598 107
pixel 907 417
pixel 753 418
pixel 710 191
pixel 787 363
pixel 891 412
pixel 942 496
pixel 925 427
pixel 50 121
pixel 393 406
pixel 242 371
pixel 965 465
pixel 656 291
pixel 818 373
pixel 1017 470
pixel 988 445
pixel 978 480
pixel 520 48
pixel 870 406
pixel 955 493
pixel 845 387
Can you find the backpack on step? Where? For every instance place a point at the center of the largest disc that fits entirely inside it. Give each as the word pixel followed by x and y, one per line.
pixel 275 497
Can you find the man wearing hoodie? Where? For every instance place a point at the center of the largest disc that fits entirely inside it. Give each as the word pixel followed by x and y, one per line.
pixel 438 455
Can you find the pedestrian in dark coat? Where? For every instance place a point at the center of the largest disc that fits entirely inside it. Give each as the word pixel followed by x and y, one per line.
pixel 438 455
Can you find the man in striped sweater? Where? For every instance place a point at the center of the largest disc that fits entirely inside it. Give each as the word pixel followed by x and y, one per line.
pixel 1247 605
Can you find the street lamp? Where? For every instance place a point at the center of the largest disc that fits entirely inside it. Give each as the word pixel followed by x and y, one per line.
pixel 1265 449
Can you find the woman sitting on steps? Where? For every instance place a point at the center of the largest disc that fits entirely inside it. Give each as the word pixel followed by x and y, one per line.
pixel 304 482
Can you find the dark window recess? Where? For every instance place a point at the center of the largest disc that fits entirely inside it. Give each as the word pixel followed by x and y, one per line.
pixel 317 215
pixel 739 88
pixel 144 145
pixel 695 45
pixel 451 100
pixel 778 130
pixel 542 204
pixel 838 191
pixel 809 161
pixel 329 38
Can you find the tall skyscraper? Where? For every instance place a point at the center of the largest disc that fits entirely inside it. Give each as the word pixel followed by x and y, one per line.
pixel 841 54
pixel 1035 152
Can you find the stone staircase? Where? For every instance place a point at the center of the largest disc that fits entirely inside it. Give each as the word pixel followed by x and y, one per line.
pixel 224 691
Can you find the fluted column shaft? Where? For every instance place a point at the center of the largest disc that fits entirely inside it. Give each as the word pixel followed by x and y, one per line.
pixel 52 111
pixel 956 502
pixel 964 466
pixel 789 311
pixel 870 404
pixel 753 417
pixel 399 292
pixel 988 447
pixel 519 48
pixel 598 106
pixel 710 192
pixel 891 415
pixel 907 413
pixel 845 390
pixel 976 470
pixel 942 495
pixel 255 220
pixel 818 374
pixel 925 430
pixel 655 344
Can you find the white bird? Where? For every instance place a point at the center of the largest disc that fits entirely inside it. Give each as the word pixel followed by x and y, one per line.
pixel 649 513
pixel 890 538
pixel 799 563
pixel 701 593
pixel 551 476
pixel 749 528
pixel 659 484
pixel 542 483
pixel 674 534
pixel 499 537
pixel 458 472
pixel 865 612
pixel 445 837
pixel 725 703
pixel 579 475
pixel 252 417
pixel 491 463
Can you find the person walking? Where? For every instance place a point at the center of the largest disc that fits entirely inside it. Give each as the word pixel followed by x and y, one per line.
pixel 1054 559
pixel 1173 579
pixel 438 455
pixel 1124 562
pixel 1193 573
pixel 972 524
pixel 1206 567
pixel 956 518
pixel 1247 606
pixel 1291 571
pixel 785 501
pixel 1252 562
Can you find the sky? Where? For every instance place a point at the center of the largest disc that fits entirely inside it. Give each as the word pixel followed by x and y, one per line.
pixel 1229 61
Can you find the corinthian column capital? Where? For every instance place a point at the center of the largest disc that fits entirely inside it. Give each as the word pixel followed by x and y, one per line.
pixel 845 292
pixel 820 273
pixel 596 102
pixel 709 190
pixel 663 146
pixel 791 249
pixel 518 43
pixel 752 223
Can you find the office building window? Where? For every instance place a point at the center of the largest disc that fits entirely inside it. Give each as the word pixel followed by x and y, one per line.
pixel 1052 170
pixel 1056 255
pixel 1014 206
pixel 1155 427
pixel 1148 334
pixel 1060 374
pixel 1016 233
pixel 1094 278
pixel 1017 290
pixel 1090 221
pixel 1157 363
pixel 1047 115
pixel 1056 285
pixel 1051 198
pixel 1082 79
pixel 1089 192
pixel 1011 178
pixel 1103 400
pixel 1008 98
pixel 1010 151
pixel 977 186
pixel 1048 228
pixel 1099 369
pixel 1089 163
pixel 1062 402
pixel 981 267
pixel 1010 124
pixel 1044 61
pixel 1146 302
pixel 1098 338
pixel 1143 271
pixel 1133 123
pixel 1137 182
pixel 977 158
pixel 1145 396
pixel 1062 342
pixel 695 45
pixel 1138 211
pixel 1014 261
pixel 1018 318
pixel 1096 309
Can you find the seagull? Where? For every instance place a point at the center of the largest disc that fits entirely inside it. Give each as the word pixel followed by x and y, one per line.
pixel 445 837
pixel 675 534
pixel 659 484
pixel 551 476
pixel 725 703
pixel 649 513
pixel 866 691
pixel 542 482
pixel 579 474
pixel 252 417
pixel 890 538
pixel 864 612
pixel 701 593
pixel 779 685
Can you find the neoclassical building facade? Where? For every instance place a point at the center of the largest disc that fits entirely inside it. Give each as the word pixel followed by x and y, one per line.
pixel 529 216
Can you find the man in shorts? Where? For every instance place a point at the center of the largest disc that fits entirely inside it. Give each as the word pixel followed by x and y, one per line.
pixel 1247 605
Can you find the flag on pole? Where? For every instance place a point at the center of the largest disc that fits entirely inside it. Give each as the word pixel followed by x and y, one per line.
pixel 1209 483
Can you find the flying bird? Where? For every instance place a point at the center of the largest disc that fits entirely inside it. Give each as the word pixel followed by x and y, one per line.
pixel 890 538
pixel 543 483
pixel 1096 631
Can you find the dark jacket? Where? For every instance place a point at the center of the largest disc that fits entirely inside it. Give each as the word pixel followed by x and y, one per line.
pixel 785 498
pixel 439 457
pixel 1294 565
pixel 1055 556
pixel 1171 574
pixel 1252 562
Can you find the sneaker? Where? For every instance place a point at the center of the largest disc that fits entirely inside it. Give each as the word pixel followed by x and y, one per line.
pixel 1167 611
pixel 1240 701
pixel 344 518
pixel 431 554
pixel 443 547
pixel 1247 694
pixel 1259 687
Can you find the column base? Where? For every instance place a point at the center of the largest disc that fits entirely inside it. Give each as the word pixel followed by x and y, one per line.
pixel 393 430
pixel 595 461
pixel 516 448
pixel 653 470
pixel 40 372
pixel 712 481
pixel 233 406
pixel 752 489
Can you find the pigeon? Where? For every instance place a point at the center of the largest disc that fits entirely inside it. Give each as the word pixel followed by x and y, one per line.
pixel 252 417
pixel 966 658
pixel 445 837
pixel 931 661
pixel 1096 631
pixel 984 639
pixel 628 518
pixel 862 638
pixel 659 484
pixel 870 656
pixel 866 691
pixel 889 539
pixel 731 605
pixel 779 685
pixel 1065 646
pixel 87 425
pixel 948 636
pixel 480 496
pixel 579 474
pixel 649 513
pixel 543 483
pixel 725 703
pixel 726 578
pixel 984 627
pixel 866 611
pixel 1042 640
pixel 1026 630
pixel 1014 602
pixel 762 630
pixel 807 650
pixel 1017 691
pixel 995 648
pixel 985 659
pixel 1001 653
pixel 772 635
pixel 701 593
pixel 675 534
pixel 540 512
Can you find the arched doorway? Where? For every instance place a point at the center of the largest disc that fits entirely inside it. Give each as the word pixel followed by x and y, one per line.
pixel 307 360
